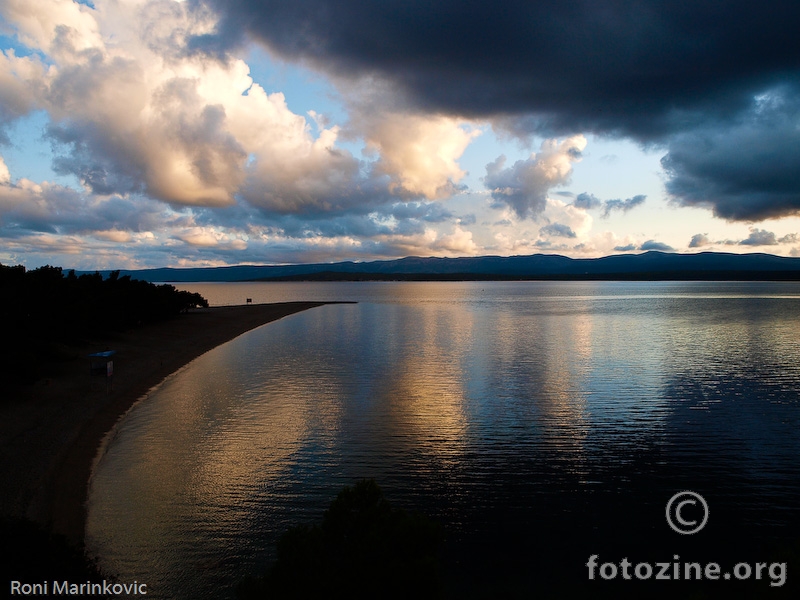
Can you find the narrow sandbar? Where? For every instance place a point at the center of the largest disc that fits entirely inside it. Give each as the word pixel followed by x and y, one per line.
pixel 50 432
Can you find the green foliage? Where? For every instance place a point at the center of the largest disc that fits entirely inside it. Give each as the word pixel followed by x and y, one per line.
pixel 363 549
pixel 43 307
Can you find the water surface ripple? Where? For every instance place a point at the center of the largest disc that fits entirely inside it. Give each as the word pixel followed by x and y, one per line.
pixel 538 422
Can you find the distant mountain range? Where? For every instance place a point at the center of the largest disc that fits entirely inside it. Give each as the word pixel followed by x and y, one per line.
pixel 647 266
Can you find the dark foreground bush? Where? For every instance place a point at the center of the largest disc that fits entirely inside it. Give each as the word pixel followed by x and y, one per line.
pixel 33 555
pixel 364 548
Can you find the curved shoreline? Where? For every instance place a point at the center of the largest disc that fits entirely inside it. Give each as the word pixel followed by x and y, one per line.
pixel 51 431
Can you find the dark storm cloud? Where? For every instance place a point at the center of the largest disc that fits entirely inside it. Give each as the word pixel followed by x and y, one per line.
pixel 628 66
pixel 747 171
pixel 687 76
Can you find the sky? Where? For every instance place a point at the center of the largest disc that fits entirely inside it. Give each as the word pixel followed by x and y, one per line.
pixel 152 133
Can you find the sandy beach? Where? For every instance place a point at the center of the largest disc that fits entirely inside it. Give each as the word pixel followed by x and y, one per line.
pixel 50 432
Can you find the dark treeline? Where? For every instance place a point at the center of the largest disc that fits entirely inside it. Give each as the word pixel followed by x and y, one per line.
pixel 43 310
pixel 33 555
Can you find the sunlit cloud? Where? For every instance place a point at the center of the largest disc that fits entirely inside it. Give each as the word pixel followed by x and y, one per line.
pixel 5 175
pixel 113 236
pixel 699 240
pixel 141 113
pixel 524 185
pixel 420 154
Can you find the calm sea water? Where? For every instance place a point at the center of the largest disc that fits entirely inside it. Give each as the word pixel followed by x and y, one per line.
pixel 540 423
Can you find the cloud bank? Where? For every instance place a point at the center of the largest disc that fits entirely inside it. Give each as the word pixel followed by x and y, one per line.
pixel 717 87
pixel 576 65
pixel 745 171
pixel 172 137
pixel 142 114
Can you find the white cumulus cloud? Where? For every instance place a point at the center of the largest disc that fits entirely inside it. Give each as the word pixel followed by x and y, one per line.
pixel 135 110
pixel 420 153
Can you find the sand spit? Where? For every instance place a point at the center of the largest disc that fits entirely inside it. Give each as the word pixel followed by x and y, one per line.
pixel 50 432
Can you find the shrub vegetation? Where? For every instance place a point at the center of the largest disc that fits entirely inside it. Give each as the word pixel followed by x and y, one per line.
pixel 364 548
pixel 43 311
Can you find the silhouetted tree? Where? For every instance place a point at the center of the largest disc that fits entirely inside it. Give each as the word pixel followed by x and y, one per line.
pixel 41 308
pixel 364 548
pixel 33 555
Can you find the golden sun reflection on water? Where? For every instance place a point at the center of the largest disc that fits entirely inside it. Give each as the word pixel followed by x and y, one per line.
pixel 424 395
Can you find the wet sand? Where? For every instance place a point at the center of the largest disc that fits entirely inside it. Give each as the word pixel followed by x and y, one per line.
pixel 50 432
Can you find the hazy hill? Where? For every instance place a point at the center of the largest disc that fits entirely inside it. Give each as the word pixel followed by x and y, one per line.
pixel 647 266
